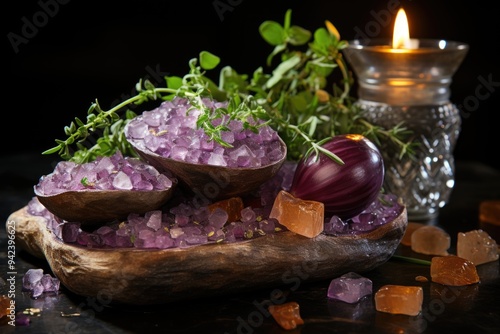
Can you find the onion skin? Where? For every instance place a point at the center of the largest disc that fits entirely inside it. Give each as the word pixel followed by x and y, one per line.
pixel 346 190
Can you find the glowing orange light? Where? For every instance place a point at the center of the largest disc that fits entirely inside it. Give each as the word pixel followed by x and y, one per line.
pixel 401 37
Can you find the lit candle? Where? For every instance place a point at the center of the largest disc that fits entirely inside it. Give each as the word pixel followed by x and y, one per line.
pixel 401 36
pixel 407 81
pixel 404 71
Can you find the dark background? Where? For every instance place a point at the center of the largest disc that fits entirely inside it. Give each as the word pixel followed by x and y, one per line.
pixel 83 50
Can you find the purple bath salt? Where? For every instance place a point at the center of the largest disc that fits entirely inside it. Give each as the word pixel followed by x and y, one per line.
pixel 350 288
pixel 171 131
pixel 104 173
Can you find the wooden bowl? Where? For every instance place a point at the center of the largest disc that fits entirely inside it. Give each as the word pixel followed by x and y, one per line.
pixel 209 181
pixel 100 206
pixel 147 277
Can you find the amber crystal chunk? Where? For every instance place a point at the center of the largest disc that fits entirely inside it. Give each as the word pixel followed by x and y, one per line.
pixel 410 228
pixel 5 304
pixel 302 217
pixel 490 211
pixel 232 206
pixel 430 240
pixel 477 246
pixel 399 299
pixel 287 315
pixel 453 271
pixel 489 218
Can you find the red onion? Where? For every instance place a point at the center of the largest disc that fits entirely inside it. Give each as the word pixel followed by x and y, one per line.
pixel 345 189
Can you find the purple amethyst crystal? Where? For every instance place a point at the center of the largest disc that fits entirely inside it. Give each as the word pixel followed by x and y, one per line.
pixel 350 288
pixel 37 283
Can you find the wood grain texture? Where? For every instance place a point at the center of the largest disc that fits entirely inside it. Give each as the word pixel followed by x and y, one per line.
pixel 149 277
pixel 93 207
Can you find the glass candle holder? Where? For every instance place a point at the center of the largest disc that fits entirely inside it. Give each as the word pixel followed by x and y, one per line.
pixel 412 86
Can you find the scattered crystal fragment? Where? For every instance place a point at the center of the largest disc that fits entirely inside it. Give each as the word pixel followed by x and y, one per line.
pixel 5 304
pixel 31 278
pixel 350 288
pixel 302 217
pixel 22 319
pixel 477 246
pixel 399 299
pixel 490 211
pixel 232 206
pixel 218 218
pixel 430 240
pixel 411 227
pixel 489 218
pixel 37 290
pixel 453 271
pixel 287 315
pixel 37 283
pixel 69 232
pixel 420 278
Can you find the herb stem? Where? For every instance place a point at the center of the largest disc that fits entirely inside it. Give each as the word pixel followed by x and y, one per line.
pixel 411 260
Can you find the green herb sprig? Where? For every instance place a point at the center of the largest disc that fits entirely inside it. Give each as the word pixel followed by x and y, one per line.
pixel 305 97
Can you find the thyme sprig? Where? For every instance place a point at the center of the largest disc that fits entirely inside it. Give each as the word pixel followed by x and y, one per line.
pixel 306 98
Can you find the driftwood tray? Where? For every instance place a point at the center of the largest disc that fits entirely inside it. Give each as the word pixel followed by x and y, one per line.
pixel 148 277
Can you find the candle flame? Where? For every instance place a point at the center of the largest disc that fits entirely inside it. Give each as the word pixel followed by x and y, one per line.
pixel 401 37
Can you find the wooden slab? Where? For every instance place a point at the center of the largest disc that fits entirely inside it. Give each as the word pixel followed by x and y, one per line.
pixel 148 277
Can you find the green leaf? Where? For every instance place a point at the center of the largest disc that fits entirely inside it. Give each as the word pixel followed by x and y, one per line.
pixel 322 40
pixel 299 102
pixel 277 49
pixel 208 60
pixel 272 32
pixel 281 69
pixel 288 19
pixel 298 35
pixel 312 126
pixel 52 150
pixel 174 82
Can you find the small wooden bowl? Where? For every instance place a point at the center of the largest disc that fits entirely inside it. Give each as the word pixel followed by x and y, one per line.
pixel 213 182
pixel 100 206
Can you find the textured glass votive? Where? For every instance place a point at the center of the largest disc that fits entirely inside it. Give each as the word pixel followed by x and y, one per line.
pixel 412 86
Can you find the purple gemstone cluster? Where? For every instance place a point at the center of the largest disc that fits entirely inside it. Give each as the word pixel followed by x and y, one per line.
pixel 171 131
pixel 35 281
pixel 182 223
pixel 104 173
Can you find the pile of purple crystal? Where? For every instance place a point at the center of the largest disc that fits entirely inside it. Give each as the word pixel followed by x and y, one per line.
pixel 35 281
pixel 183 223
pixel 104 173
pixel 383 210
pixel 171 131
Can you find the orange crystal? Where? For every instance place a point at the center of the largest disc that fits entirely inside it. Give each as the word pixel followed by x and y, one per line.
pixel 287 315
pixel 306 218
pixel 411 227
pixel 232 206
pixel 399 299
pixel 4 306
pixel 430 240
pixel 489 218
pixel 453 271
